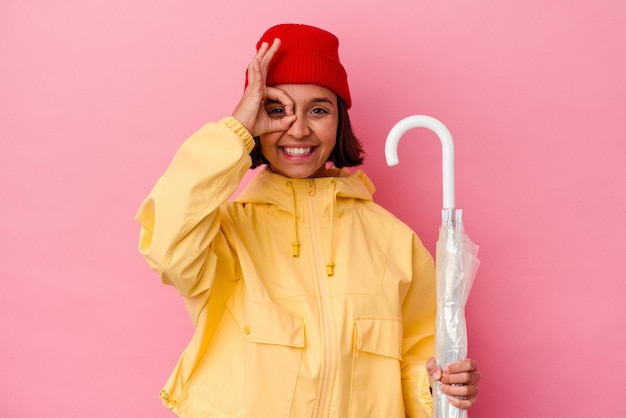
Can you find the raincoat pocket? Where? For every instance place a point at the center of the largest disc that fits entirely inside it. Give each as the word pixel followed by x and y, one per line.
pixel 379 335
pixel 376 367
pixel 267 323
pixel 251 368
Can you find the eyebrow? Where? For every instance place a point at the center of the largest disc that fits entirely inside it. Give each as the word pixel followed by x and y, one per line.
pixel 314 100
pixel 322 100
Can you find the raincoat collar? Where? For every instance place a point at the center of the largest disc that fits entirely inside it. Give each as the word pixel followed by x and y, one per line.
pixel 271 188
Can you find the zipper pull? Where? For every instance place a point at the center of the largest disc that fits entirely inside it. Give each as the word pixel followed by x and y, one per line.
pixel 311 186
pixel 330 269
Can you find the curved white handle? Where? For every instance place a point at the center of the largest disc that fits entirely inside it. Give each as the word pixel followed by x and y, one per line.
pixel 447 149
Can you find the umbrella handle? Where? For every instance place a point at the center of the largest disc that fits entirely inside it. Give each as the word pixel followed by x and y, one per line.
pixel 447 149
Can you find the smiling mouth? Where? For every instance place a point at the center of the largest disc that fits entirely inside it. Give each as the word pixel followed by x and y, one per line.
pixel 297 152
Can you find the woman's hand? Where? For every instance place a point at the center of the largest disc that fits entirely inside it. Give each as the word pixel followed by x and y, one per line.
pixel 251 111
pixel 458 380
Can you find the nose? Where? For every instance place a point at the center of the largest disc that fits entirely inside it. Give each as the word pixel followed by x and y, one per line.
pixel 299 128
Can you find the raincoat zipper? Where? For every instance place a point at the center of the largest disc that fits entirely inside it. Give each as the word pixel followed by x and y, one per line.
pixel 328 343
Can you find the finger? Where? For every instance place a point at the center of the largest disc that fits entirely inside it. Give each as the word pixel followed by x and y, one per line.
pixel 463 396
pixel 254 71
pixel 467 365
pixel 264 55
pixel 262 50
pixel 269 54
pixel 463 378
pixel 272 49
pixel 286 122
pixel 255 63
pixel 461 372
pixel 279 125
pixel 462 403
pixel 279 122
pixel 433 369
pixel 463 391
pixel 283 98
pixel 431 365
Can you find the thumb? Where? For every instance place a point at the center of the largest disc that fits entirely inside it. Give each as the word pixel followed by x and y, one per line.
pixel 433 369
pixel 279 125
pixel 286 122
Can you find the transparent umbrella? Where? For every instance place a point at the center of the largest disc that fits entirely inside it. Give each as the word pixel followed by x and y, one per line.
pixel 456 259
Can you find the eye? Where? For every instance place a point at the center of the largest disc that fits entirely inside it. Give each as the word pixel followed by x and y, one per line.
pixel 276 112
pixel 319 111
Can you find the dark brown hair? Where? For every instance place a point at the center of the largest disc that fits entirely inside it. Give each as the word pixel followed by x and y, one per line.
pixel 348 151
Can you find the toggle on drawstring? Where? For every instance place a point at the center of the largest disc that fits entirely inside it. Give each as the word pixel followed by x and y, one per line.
pixel 330 266
pixel 295 244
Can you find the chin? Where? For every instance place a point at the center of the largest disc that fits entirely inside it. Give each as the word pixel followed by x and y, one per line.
pixel 299 173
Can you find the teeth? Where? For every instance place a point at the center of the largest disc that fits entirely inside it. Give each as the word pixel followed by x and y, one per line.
pixel 297 152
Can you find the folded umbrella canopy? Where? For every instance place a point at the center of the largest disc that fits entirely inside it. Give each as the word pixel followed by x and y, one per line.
pixel 456 259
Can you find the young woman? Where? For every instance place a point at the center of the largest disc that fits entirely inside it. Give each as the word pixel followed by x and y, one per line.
pixel 308 299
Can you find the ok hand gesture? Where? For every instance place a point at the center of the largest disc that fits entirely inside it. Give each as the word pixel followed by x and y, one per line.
pixel 251 111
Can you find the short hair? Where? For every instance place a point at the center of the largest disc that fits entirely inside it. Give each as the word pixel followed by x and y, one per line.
pixel 348 151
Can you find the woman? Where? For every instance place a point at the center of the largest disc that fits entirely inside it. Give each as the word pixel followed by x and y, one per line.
pixel 308 299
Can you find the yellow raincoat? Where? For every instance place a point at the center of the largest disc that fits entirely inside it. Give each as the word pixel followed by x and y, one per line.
pixel 308 299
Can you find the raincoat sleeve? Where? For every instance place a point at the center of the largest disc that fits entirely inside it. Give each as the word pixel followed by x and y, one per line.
pixel 419 314
pixel 180 233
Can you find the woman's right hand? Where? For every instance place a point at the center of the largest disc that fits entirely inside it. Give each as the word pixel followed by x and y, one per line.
pixel 250 111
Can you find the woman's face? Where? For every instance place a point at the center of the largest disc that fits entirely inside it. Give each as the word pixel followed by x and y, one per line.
pixel 302 150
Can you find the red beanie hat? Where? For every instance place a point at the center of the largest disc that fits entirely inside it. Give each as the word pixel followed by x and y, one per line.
pixel 307 55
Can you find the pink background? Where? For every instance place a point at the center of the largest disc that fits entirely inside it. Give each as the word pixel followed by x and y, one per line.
pixel 95 96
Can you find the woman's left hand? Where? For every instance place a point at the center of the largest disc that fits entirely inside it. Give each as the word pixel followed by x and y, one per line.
pixel 458 380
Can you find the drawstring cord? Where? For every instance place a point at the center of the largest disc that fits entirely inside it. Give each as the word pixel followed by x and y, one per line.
pixel 295 244
pixel 330 266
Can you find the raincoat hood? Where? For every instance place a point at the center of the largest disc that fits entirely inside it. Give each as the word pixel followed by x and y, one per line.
pixel 286 193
